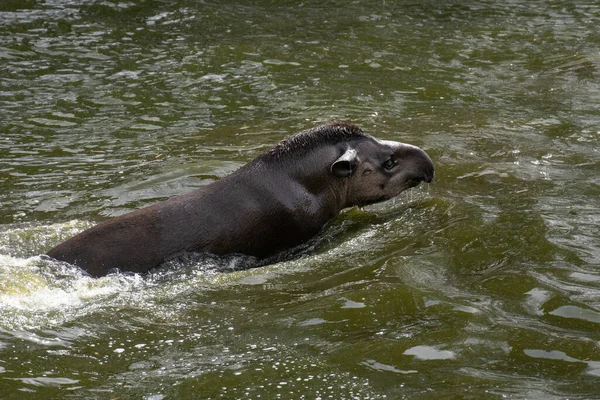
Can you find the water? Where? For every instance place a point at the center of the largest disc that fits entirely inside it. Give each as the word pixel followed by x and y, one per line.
pixel 484 284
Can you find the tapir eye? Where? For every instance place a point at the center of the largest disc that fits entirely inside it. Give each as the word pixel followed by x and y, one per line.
pixel 389 164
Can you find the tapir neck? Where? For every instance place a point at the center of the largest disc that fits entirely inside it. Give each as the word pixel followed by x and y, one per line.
pixel 305 182
pixel 312 172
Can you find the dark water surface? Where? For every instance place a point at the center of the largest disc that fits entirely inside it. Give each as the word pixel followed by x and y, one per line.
pixel 482 285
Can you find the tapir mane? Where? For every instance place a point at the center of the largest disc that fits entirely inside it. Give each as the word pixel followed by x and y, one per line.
pixel 305 141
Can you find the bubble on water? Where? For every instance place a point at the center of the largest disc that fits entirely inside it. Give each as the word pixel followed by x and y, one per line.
pixel 576 312
pixel 372 364
pixel 429 353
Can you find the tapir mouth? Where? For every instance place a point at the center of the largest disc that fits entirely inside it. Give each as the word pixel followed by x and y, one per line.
pixel 416 181
pixel 409 184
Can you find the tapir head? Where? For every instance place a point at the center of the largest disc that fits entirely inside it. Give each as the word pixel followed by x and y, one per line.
pixel 359 168
pixel 376 170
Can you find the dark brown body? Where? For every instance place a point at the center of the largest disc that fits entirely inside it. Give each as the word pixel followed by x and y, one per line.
pixel 277 201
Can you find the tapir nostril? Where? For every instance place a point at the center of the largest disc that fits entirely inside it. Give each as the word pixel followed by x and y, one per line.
pixel 428 176
pixel 429 170
pixel 422 165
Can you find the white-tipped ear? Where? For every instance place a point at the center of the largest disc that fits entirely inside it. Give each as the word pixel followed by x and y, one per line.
pixel 343 166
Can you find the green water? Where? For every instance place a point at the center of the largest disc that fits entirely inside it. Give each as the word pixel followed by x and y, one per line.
pixel 483 285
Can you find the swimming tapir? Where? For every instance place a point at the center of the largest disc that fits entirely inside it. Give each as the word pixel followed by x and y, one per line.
pixel 275 202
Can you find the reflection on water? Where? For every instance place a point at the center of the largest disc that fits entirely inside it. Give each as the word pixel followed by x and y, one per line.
pixel 484 284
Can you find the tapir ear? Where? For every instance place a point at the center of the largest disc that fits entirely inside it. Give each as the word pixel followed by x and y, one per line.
pixel 343 166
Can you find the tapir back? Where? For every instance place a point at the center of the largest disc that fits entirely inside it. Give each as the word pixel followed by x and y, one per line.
pixel 129 242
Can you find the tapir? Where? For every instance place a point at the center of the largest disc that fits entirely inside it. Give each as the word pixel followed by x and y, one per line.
pixel 277 201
